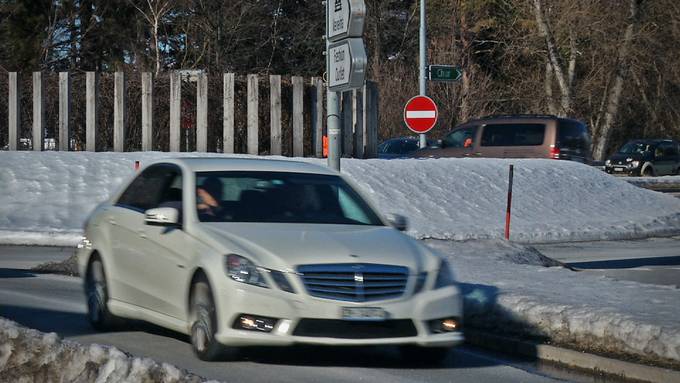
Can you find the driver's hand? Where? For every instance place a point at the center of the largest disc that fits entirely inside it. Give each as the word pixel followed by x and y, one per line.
pixel 207 198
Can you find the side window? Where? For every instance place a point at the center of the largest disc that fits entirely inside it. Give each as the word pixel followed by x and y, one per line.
pixel 670 150
pixel 148 190
pixel 513 135
pixel 461 138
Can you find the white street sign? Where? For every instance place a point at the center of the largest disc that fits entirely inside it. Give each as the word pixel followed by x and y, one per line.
pixel 347 65
pixel 345 19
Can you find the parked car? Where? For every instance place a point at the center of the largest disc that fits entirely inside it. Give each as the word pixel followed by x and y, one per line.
pixel 239 252
pixel 400 147
pixel 645 158
pixel 516 136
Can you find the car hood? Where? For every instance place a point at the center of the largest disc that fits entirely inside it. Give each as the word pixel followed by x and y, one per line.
pixel 285 246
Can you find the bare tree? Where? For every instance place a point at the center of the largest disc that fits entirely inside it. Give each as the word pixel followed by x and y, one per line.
pixel 154 13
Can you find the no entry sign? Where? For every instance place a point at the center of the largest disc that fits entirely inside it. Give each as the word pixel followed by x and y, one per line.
pixel 420 114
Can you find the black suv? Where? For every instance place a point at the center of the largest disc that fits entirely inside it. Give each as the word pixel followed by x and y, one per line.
pixel 645 158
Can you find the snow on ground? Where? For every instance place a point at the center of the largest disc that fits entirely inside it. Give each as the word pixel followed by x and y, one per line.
pixel 653 181
pixel 590 311
pixel 31 356
pixel 46 197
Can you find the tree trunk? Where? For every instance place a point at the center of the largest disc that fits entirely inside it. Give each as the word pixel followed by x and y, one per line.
pixel 614 96
pixel 548 88
pixel 555 60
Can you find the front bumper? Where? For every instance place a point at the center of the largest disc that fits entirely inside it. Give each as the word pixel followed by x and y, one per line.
pixel 623 170
pixel 291 309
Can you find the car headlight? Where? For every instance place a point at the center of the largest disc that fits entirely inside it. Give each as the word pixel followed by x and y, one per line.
pixel 444 275
pixel 635 164
pixel 608 162
pixel 243 270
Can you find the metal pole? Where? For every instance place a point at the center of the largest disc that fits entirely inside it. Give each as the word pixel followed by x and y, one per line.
pixel 332 112
pixel 422 77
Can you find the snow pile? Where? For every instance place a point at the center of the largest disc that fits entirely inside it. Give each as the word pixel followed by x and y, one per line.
pixel 666 181
pixel 31 356
pixel 46 197
pixel 585 310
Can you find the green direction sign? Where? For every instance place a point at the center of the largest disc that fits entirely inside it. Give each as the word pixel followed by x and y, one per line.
pixel 448 73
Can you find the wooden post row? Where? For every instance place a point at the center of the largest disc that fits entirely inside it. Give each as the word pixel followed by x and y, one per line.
pixel 91 101
pixel 275 114
pixel 38 112
pixel 64 110
pixel 253 115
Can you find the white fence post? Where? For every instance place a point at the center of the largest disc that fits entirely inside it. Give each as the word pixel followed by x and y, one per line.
pixel 147 111
pixel 175 109
pixel 253 116
pixel 119 112
pixel 228 118
pixel 316 103
pixel 13 114
pixel 202 112
pixel 275 115
pixel 298 116
pixel 64 110
pixel 91 100
pixel 38 112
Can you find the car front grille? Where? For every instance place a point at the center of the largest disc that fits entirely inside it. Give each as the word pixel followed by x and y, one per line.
pixel 334 328
pixel 354 282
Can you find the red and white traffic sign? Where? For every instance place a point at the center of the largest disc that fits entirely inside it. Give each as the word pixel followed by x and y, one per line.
pixel 420 114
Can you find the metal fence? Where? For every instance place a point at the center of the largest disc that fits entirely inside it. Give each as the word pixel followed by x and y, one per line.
pixel 183 110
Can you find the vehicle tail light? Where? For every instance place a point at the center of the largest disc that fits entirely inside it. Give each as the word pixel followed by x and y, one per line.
pixel 554 152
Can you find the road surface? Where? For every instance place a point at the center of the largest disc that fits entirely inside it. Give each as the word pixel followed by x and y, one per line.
pixel 54 303
pixel 654 260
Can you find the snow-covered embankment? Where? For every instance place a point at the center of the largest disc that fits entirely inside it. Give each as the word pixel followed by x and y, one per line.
pixel 31 356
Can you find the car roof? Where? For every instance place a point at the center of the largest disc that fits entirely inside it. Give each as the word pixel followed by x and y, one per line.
pixel 521 118
pixel 207 164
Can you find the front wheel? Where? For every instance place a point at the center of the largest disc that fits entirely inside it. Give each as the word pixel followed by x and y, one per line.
pixel 97 294
pixel 204 325
pixel 648 172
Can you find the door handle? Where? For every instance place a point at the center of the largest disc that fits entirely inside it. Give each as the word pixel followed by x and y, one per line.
pixel 142 234
pixel 112 221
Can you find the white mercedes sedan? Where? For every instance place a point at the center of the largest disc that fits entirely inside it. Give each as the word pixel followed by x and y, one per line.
pixel 248 252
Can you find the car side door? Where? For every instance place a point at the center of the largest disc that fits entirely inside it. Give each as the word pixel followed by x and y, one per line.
pixel 126 222
pixel 166 252
pixel 665 158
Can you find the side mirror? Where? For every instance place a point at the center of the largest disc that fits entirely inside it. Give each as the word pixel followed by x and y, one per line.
pixel 162 216
pixel 397 221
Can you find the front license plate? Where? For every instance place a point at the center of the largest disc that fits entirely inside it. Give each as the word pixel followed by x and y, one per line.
pixel 619 169
pixel 363 313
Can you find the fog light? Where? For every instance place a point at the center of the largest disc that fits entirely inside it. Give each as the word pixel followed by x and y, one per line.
pixel 439 326
pixel 255 323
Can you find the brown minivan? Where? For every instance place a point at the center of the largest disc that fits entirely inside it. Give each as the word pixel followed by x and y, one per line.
pixel 516 136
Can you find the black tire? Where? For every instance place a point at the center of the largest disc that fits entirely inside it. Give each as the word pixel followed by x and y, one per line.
pixel 204 322
pixel 428 356
pixel 648 172
pixel 97 296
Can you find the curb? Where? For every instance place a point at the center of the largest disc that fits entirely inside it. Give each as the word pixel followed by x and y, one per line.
pixel 572 358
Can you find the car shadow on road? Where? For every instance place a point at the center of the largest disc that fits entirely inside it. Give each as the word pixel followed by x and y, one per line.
pixel 64 323
pixel 15 273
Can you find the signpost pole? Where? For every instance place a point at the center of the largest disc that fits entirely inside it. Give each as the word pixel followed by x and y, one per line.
pixel 332 117
pixel 422 77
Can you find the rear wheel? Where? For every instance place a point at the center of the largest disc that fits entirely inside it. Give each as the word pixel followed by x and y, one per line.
pixel 424 355
pixel 204 322
pixel 97 295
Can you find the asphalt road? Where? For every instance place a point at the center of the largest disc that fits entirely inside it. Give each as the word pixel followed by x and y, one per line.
pixel 54 303
pixel 655 260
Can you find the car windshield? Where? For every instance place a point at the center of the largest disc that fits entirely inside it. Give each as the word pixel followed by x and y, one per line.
pixel 251 196
pixel 634 147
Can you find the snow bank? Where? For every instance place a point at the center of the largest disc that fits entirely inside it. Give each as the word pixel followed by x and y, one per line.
pixel 45 197
pixel 31 356
pixel 653 181
pixel 585 310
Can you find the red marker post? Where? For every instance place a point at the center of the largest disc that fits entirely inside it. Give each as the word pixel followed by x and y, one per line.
pixel 507 214
pixel 137 165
